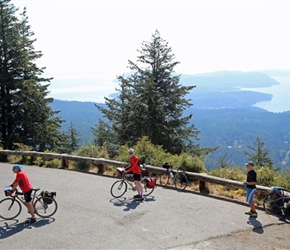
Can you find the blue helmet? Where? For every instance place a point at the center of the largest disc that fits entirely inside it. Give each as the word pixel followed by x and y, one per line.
pixel 17 166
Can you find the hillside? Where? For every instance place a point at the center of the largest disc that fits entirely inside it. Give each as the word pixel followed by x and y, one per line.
pixel 225 119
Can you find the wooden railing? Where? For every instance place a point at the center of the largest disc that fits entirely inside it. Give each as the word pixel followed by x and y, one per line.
pixel 202 178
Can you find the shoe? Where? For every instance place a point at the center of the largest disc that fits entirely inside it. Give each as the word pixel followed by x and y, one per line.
pixel 140 199
pixel 30 221
pixel 255 215
pixel 137 196
pixel 249 213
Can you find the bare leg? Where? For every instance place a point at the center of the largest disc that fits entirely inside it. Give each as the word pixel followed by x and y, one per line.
pixel 253 208
pixel 30 209
pixel 139 187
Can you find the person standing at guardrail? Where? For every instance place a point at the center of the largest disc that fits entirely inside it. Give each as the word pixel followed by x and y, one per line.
pixel 23 182
pixel 136 170
pixel 251 188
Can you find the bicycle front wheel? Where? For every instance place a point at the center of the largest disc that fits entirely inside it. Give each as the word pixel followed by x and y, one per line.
pixel 272 203
pixel 119 188
pixel 181 181
pixel 163 179
pixel 9 208
pixel 45 207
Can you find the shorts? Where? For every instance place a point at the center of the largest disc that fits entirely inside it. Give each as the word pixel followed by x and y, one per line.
pixel 137 177
pixel 27 196
pixel 250 194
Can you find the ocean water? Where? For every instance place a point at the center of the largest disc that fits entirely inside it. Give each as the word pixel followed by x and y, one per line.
pixel 281 95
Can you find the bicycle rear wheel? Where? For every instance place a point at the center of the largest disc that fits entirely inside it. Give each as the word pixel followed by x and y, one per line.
pixel 181 181
pixel 9 208
pixel 272 203
pixel 119 188
pixel 45 207
pixel 163 179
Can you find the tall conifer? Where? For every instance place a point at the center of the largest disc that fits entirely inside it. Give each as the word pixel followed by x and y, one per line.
pixel 152 102
pixel 25 113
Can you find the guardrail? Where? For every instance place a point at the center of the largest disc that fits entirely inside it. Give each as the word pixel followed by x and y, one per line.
pixel 102 162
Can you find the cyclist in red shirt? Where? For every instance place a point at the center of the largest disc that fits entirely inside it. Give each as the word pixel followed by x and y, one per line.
pixel 23 182
pixel 136 170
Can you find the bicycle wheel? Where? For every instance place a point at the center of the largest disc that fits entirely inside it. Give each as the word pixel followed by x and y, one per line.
pixel 180 181
pixel 272 203
pixel 163 179
pixel 146 191
pixel 9 208
pixel 119 188
pixel 45 207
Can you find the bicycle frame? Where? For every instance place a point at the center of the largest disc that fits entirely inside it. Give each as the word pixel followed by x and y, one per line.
pixel 21 199
pixel 171 174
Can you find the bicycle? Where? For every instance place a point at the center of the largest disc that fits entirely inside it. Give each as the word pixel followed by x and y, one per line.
pixel 275 201
pixel 178 179
pixel 10 207
pixel 120 187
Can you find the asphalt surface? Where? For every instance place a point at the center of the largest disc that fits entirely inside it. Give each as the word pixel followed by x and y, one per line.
pixel 88 217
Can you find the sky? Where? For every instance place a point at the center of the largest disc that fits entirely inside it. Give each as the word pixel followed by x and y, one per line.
pixel 87 44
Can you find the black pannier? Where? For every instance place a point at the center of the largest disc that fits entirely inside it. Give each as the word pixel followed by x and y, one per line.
pixel 46 195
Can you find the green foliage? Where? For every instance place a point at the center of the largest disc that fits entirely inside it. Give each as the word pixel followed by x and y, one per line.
pixel 231 173
pixel 26 116
pixel 154 155
pixel 90 151
pixel 47 163
pixel 21 159
pixel 260 155
pixel 191 164
pixel 69 141
pixel 269 177
pixel 151 103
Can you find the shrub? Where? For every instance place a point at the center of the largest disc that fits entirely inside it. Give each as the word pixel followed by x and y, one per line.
pixel 92 151
pixel 232 173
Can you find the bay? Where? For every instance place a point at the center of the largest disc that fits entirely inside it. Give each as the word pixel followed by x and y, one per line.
pixel 280 101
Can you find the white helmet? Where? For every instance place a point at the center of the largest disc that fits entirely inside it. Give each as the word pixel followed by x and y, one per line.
pixel 131 151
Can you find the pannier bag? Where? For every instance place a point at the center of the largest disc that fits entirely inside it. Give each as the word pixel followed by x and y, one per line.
pixel 166 165
pixel 120 171
pixel 46 195
pixel 151 182
pixel 7 189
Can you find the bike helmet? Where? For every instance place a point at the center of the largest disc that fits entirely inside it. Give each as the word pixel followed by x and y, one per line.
pixel 131 150
pixel 17 167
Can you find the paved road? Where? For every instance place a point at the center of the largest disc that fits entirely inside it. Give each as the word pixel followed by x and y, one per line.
pixel 89 218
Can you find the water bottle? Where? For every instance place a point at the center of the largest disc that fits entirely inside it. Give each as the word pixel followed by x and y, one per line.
pixel 171 174
pixel 285 204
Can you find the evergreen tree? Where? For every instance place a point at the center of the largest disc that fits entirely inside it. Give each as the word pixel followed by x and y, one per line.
pixel 25 115
pixel 260 155
pixel 151 101
pixel 73 138
pixel 69 141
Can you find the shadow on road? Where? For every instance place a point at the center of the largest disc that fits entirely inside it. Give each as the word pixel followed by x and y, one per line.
pixel 257 226
pixel 130 203
pixel 12 227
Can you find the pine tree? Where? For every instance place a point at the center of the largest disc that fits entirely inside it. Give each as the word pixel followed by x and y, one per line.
pixel 260 155
pixel 152 102
pixel 25 113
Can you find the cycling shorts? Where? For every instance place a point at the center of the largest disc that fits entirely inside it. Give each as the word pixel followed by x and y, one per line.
pixel 27 196
pixel 137 177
